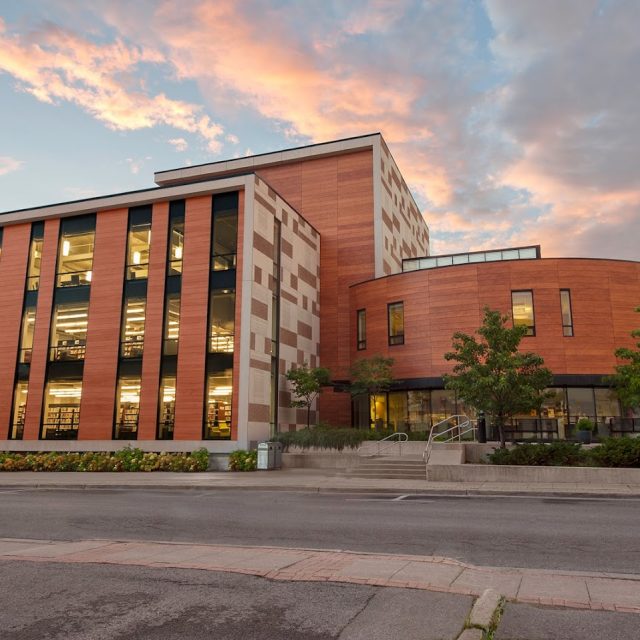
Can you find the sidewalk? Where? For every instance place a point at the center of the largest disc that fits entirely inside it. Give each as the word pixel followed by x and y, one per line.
pixel 569 589
pixel 302 480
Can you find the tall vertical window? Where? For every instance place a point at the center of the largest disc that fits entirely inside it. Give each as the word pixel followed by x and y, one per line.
pixel 61 415
pixel 138 243
pixel 362 329
pixel 218 414
pixel 167 407
pixel 35 259
pixel 171 324
pixel 26 334
pixel 133 319
pixel 69 331
pixel 176 238
pixel 222 303
pixel 127 408
pixel 395 320
pixel 19 410
pixel 75 258
pixel 224 232
pixel 567 317
pixel 522 310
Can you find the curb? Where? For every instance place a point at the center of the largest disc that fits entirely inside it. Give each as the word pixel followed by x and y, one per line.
pixel 484 616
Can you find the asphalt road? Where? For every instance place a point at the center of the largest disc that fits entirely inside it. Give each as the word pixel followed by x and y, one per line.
pixel 549 533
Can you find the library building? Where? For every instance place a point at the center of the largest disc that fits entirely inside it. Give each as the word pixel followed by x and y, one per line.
pixel 170 316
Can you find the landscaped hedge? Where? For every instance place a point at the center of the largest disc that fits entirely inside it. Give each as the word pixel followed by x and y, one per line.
pixel 241 460
pixel 612 452
pixel 124 460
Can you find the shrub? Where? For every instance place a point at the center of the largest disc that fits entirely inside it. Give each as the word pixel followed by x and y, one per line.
pixel 616 452
pixel 241 460
pixel 328 438
pixel 127 459
pixel 555 454
pixel 584 424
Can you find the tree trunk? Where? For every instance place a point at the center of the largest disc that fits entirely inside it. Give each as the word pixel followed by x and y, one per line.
pixel 503 443
pixel 308 415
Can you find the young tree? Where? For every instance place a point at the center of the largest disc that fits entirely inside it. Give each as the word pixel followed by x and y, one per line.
pixel 492 375
pixel 626 380
pixel 371 376
pixel 307 383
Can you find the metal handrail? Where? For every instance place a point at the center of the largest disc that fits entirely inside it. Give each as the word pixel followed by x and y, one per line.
pixel 389 440
pixel 462 427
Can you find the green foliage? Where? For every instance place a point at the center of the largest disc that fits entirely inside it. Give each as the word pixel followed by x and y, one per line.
pixel 241 460
pixel 327 438
pixel 490 373
pixel 307 383
pixel 626 380
pixel 555 454
pixel 126 459
pixel 371 376
pixel 617 452
pixel 584 424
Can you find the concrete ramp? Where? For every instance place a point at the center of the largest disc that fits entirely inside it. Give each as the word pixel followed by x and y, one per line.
pixel 450 453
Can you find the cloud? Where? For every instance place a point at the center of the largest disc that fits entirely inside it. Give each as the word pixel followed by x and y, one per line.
pixel 8 164
pixel 135 164
pixel 105 80
pixel 179 144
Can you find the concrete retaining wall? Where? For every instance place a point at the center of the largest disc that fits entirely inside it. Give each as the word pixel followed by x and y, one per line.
pixel 521 474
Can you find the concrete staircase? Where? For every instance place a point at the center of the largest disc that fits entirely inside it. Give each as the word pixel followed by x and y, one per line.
pixel 447 453
pixel 393 468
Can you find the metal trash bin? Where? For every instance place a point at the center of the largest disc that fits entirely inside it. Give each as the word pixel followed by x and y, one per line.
pixel 269 456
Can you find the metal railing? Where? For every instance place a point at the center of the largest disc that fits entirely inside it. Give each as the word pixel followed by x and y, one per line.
pixel 462 427
pixel 386 443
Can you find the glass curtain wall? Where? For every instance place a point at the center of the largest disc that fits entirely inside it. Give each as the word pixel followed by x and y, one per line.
pixel 26 335
pixel 61 409
pixel 19 410
pixel 222 307
pixel 171 324
pixel 138 244
pixel 176 245
pixel 133 320
pixel 69 331
pixel 127 408
pixel 218 409
pixel 33 267
pixel 167 408
pixel 75 258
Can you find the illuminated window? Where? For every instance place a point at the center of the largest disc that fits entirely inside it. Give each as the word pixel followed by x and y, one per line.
pixel 75 259
pixel 69 331
pixel 167 408
pixel 395 318
pixel 19 410
pixel 224 245
pixel 127 408
pixel 221 320
pixel 567 316
pixel 171 324
pixel 138 250
pixel 133 318
pixel 26 334
pixel 61 416
pixel 35 260
pixel 218 408
pixel 362 329
pixel 176 237
pixel 522 310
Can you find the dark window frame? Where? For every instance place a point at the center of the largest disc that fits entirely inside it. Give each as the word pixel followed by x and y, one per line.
pixel 530 328
pixel 567 326
pixel 361 339
pixel 397 339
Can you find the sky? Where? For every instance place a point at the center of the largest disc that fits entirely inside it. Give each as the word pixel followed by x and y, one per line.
pixel 514 122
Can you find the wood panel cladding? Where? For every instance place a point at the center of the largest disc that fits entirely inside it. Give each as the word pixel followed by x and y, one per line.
pixel 13 271
pixel 97 406
pixel 439 302
pixel 152 354
pixel 193 320
pixel 40 352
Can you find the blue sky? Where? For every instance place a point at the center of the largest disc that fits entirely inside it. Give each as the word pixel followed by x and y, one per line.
pixel 513 122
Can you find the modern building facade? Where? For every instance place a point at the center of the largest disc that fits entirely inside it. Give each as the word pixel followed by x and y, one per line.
pixel 170 315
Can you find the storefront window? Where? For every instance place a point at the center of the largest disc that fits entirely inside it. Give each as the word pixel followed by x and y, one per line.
pixel 75 259
pixel 69 331
pixel 167 408
pixel 581 404
pixel 26 334
pixel 138 250
pixel 127 408
pixel 378 411
pixel 218 406
pixel 19 410
pixel 443 405
pixel 133 319
pixel 419 410
pixel 61 415
pixel 221 321
pixel 398 417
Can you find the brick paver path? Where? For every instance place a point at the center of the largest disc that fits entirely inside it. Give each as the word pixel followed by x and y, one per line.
pixel 581 590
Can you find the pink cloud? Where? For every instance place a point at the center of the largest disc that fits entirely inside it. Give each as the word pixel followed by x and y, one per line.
pixel 8 164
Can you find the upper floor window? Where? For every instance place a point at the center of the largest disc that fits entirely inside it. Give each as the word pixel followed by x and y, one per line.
pixel 567 316
pixel 522 311
pixel 69 331
pixel 133 319
pixel 176 237
pixel 395 319
pixel 224 243
pixel 138 243
pixel 222 320
pixel 362 329
pixel 26 334
pixel 75 253
pixel 171 324
pixel 35 257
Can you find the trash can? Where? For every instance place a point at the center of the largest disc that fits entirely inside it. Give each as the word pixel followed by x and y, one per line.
pixel 269 456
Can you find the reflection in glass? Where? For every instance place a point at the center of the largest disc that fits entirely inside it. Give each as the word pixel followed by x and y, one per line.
pixel 33 267
pixel 138 250
pixel 218 406
pixel 567 318
pixel 61 415
pixel 19 410
pixel 396 323
pixel 167 407
pixel 221 321
pixel 225 240
pixel 176 246
pixel 75 259
pixel 398 417
pixel 378 411
pixel 419 410
pixel 171 324
pixel 69 331
pixel 26 334
pixel 133 318
pixel 522 310
pixel 127 408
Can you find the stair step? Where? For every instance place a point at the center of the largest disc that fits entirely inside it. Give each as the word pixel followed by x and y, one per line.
pixel 387 476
